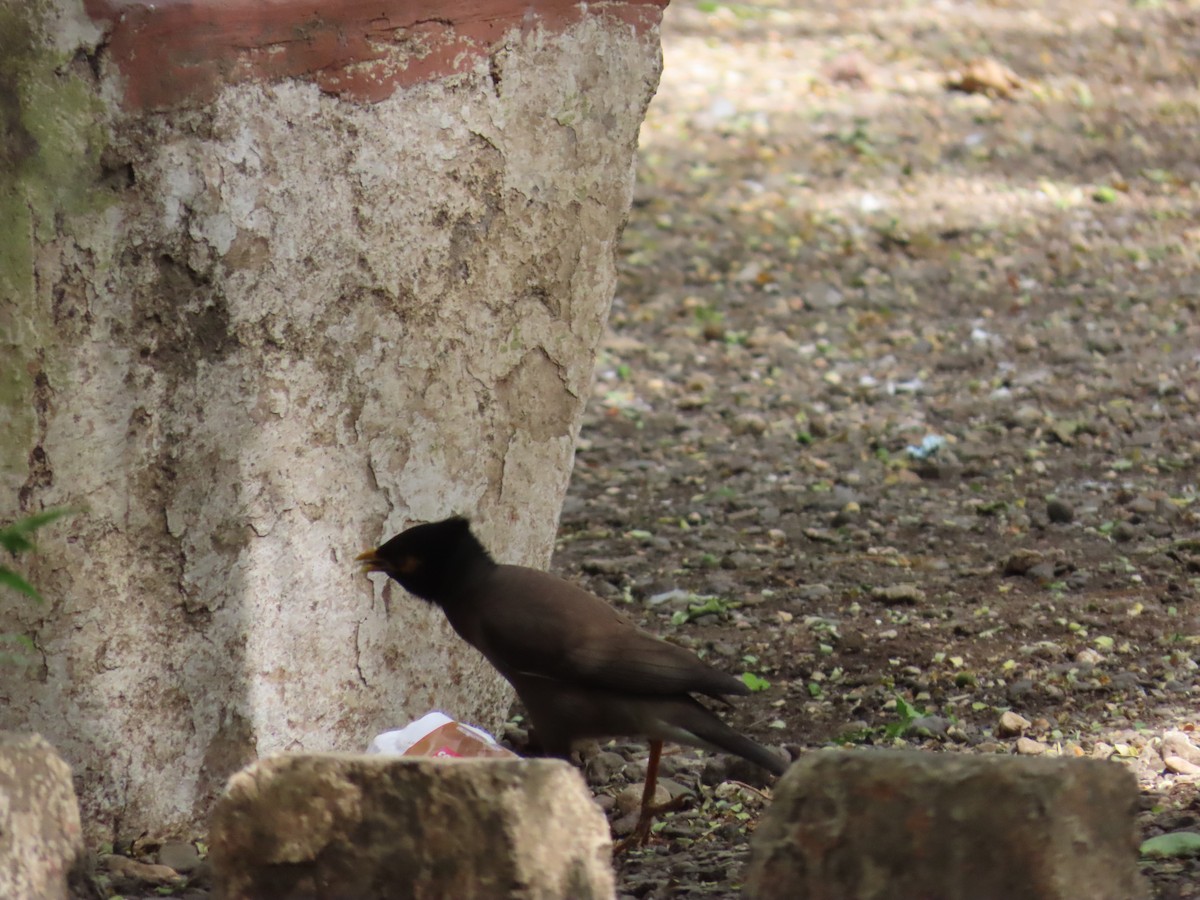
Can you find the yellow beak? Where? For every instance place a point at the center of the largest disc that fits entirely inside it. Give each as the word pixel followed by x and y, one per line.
pixel 370 561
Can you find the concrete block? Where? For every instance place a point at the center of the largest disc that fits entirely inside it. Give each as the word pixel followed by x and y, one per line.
pixel 891 826
pixel 41 842
pixel 377 828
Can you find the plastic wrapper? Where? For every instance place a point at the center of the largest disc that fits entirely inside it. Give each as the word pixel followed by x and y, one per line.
pixel 438 736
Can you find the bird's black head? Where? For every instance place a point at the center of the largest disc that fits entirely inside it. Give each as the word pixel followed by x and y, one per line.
pixel 432 561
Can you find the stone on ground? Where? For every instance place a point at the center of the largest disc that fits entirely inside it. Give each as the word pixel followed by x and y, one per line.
pixel 41 840
pixel 896 825
pixel 372 827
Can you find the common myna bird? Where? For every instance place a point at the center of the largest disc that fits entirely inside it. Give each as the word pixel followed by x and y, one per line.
pixel 581 669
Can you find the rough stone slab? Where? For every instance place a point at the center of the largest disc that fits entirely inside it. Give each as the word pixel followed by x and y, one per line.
pixel 893 825
pixel 371 827
pixel 40 837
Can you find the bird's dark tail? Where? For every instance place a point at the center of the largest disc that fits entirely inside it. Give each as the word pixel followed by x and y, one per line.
pixel 704 729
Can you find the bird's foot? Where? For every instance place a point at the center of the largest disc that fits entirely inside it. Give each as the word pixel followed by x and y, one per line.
pixel 640 836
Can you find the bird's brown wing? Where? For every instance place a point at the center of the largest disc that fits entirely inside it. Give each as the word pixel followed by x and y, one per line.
pixel 534 623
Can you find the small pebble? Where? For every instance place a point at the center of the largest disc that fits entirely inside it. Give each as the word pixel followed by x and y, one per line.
pixel 813 592
pixel 846 515
pixel 1059 511
pixel 604 766
pixel 1124 532
pixel 929 726
pixel 1019 688
pixel 853 641
pixel 1179 744
pixel 148 873
pixel 181 856
pixel 629 800
pixel 1021 561
pixel 898 594
pixel 1181 766
pixel 1029 747
pixel 1143 506
pixel 1011 724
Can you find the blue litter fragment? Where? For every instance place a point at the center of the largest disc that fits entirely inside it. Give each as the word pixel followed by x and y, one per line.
pixel 929 447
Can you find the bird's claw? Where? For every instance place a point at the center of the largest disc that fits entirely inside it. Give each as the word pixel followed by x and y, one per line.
pixel 642 831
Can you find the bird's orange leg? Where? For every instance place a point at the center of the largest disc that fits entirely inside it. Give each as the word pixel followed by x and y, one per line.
pixel 641 832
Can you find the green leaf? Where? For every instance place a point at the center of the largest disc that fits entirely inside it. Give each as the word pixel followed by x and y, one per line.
pixel 16 537
pixel 9 578
pixel 994 508
pixel 25 651
pixel 701 606
pixel 906 711
pixel 14 543
pixel 1177 843
pixel 32 523
pixel 23 641
pixel 754 682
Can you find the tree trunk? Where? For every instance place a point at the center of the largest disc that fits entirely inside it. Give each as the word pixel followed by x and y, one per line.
pixel 280 279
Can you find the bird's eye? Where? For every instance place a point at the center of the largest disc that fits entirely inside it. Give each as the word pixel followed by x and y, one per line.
pixel 408 564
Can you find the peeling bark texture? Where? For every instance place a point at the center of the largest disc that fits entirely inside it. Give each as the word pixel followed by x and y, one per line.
pixel 267 324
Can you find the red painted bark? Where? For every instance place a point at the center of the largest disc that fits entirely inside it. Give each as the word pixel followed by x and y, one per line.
pixel 178 52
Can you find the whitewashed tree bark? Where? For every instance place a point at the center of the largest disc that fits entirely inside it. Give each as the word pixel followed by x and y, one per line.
pixel 252 332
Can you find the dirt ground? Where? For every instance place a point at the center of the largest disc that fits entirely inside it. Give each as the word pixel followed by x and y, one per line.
pixel 835 256
pixel 899 410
